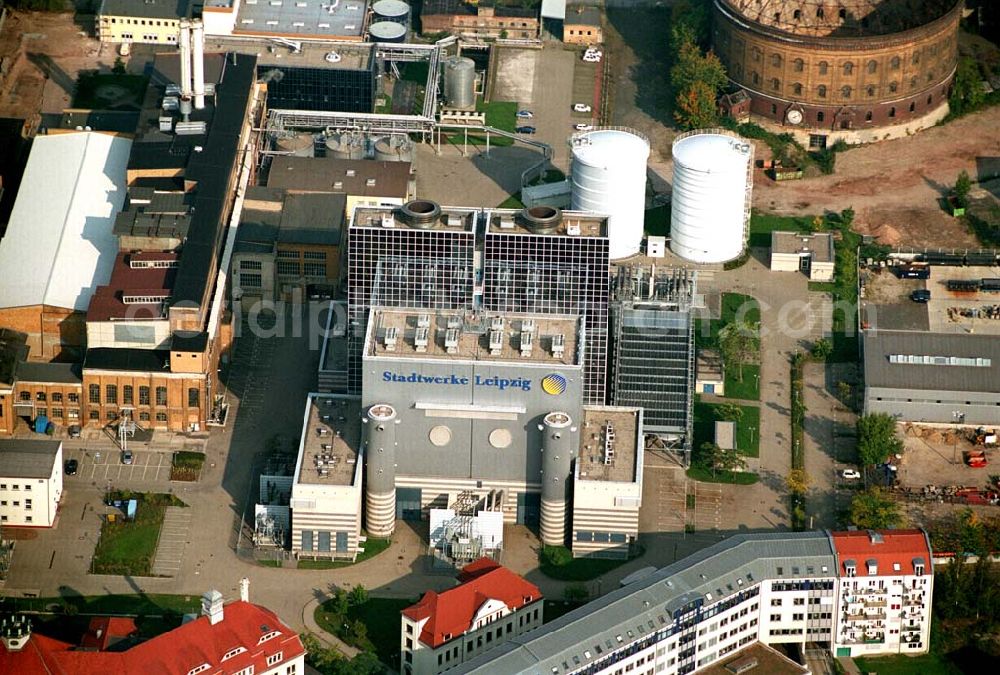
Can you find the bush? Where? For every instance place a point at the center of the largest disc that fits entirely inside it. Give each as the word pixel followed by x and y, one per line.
pixel 556 556
pixel 826 159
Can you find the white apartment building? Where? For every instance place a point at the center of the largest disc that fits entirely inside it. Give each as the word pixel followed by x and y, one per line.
pixel 31 482
pixel 490 606
pixel 703 612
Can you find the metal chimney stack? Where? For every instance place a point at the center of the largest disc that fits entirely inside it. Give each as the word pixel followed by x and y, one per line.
pixel 198 62
pixel 185 43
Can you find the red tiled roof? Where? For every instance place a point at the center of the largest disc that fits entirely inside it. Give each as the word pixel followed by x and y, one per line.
pixel 175 653
pixel 450 613
pixel 896 547
pixel 112 629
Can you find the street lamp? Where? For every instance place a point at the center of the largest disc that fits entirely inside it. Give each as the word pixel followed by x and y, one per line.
pixel 959 417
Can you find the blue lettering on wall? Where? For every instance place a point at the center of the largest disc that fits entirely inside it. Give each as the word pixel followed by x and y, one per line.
pixel 494 382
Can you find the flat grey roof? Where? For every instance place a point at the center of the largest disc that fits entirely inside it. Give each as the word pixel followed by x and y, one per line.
pixel 24 458
pixel 360 177
pixel 146 9
pixel 329 450
pixel 61 373
pixel 767 659
pixel 880 345
pixel 573 223
pixel 302 18
pixel 473 336
pixel 632 613
pixel 818 245
pixel 452 219
pixel 624 424
pixel 582 16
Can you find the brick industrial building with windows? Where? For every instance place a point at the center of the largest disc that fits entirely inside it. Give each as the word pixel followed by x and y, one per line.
pixel 841 69
pixel 858 593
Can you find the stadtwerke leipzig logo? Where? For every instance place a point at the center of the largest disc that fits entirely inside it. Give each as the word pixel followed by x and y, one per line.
pixel 554 384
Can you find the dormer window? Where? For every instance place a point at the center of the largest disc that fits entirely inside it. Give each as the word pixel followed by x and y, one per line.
pixel 233 652
pixel 267 636
pixel 872 566
pixel 199 669
pixel 850 568
pixel 918 566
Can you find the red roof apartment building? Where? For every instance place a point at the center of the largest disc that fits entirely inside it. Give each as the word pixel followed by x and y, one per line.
pixel 236 639
pixel 490 605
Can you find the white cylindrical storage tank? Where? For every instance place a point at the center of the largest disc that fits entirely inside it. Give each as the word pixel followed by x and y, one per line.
pixel 609 177
pixel 345 146
pixel 395 148
pixel 460 82
pixel 396 11
pixel 299 145
pixel 387 31
pixel 711 196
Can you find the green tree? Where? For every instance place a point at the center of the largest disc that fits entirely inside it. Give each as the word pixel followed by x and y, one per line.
pixel 359 595
pixel 822 349
pixel 877 439
pixel 961 190
pixel 730 412
pixel 692 66
pixel 718 459
pixel 845 392
pixel 694 107
pixel 738 345
pixel 691 19
pixel 798 481
pixel 847 218
pixel 872 509
pixel 967 89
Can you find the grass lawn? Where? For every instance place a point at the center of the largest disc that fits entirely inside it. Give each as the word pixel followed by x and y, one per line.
pixel 133 605
pixel 109 91
pixel 128 547
pixel 747 429
pixel 763 224
pixel 186 465
pixel 380 617
pixel 844 290
pixel 562 566
pixel 734 306
pixel 749 388
pixel 928 664
pixel 736 478
pixel 372 548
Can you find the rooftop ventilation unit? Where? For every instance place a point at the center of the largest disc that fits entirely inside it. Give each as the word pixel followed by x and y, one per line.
pixel 528 325
pixel 423 321
pixel 388 220
pixel 573 229
pixel 527 342
pixel 558 345
pixel 451 340
pixel 496 323
pixel 420 339
pixel 370 182
pixel 171 103
pixel 391 337
pixel 190 128
pixel 506 223
pixel 166 123
pixel 496 342
pixel 454 321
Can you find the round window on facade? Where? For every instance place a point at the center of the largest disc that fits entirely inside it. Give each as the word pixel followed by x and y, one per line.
pixel 440 436
pixel 500 438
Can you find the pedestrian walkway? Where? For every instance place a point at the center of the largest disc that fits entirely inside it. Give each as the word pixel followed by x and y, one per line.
pixel 328 639
pixel 172 541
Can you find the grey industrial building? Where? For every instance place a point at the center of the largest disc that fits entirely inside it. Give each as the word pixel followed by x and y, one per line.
pixel 652 360
pixel 937 360
pixel 539 260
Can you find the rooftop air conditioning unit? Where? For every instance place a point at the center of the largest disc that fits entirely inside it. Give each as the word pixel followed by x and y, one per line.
pixel 423 321
pixel 420 339
pixel 391 337
pixel 558 345
pixel 573 229
pixel 388 220
pixel 496 323
pixel 527 342
pixel 506 223
pixel 451 340
pixel 496 342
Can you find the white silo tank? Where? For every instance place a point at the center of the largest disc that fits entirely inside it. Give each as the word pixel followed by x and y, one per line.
pixel 609 177
pixel 711 196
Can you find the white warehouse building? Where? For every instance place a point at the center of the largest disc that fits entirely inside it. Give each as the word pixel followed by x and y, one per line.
pixel 31 482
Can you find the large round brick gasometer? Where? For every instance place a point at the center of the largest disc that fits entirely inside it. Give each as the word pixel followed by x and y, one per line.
pixel 840 64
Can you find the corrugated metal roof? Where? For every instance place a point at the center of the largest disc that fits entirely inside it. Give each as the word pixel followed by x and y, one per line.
pixel 59 244
pixel 879 372
pixel 631 613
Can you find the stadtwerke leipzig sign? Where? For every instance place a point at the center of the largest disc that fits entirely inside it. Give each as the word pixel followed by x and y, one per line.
pixel 552 384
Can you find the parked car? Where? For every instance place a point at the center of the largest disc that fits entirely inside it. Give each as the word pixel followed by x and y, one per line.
pixel 74 430
pixel 583 127
pixel 581 107
pixel 525 130
pixel 920 295
pixel 850 474
pixel 71 466
pixel 127 457
pixel 592 58
pixel 525 114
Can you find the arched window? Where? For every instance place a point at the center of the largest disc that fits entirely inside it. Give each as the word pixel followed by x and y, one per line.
pixel 797 89
pixel 930 75
pixel 823 67
pixel 913 83
pixel 848 68
pixel 916 58
pixel 819 12
pixel 872 66
pixel 776 60
pixel 775 84
pixel 821 91
pixel 755 78
pixel 894 64
pixel 845 92
pixel 893 87
pixel 930 99
pixel 892 112
pixel 870 91
pixel 797 14
pixel 913 107
pixel 868 116
pixel 820 116
pixel 755 53
pixel 799 65
pixel 842 13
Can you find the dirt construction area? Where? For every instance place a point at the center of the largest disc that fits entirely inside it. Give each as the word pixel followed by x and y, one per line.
pixel 935 456
pixel 41 55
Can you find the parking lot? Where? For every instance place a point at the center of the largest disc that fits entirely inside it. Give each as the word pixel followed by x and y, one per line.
pixel 100 466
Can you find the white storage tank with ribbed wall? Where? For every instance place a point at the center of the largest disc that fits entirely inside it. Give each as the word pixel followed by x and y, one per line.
pixel 299 145
pixel 609 177
pixel 710 201
pixel 391 10
pixel 460 82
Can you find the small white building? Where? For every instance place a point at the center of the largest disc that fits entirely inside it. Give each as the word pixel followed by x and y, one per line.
pixel 31 481
pixel 811 254
pixel 490 606
pixel 607 487
pixel 725 434
pixel 710 376
pixel 326 492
